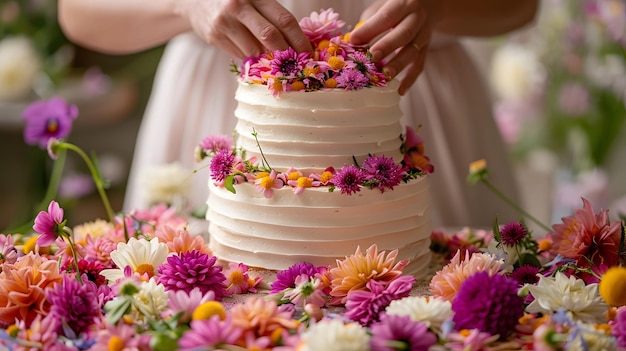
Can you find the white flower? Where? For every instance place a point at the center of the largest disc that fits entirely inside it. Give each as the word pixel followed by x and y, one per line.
pixel 430 310
pixel 516 72
pixel 141 255
pixel 334 335
pixel 594 340
pixel 166 184
pixel 151 300
pixel 19 66
pixel 582 302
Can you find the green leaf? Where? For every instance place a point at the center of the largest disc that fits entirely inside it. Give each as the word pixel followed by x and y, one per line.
pixel 229 183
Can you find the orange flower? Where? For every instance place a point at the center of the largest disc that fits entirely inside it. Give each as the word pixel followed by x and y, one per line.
pixel 355 271
pixel 23 288
pixel 180 240
pixel 261 317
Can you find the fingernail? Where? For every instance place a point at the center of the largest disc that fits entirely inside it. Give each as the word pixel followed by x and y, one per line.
pixel 389 72
pixel 376 55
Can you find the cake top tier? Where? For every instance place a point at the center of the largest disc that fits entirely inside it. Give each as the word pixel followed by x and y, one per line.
pixel 333 64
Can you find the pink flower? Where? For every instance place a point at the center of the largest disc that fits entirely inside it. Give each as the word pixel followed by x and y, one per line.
pixel 267 183
pixel 121 334
pixel 210 334
pixel 49 224
pixel 349 179
pixel 187 302
pixel 308 290
pixel 238 281
pixel 48 119
pixel 8 253
pixel 323 25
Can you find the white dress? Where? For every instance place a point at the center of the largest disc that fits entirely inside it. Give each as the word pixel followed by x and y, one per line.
pixel 193 97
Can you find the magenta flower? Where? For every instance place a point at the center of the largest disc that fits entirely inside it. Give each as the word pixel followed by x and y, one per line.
pixel 210 334
pixel 8 253
pixel 488 303
pixel 192 269
pixel 363 62
pixel 49 224
pixel 215 143
pixel 352 79
pixel 288 63
pixel 382 172
pixel 618 327
pixel 74 304
pixel 222 164
pixel 366 306
pixel 92 269
pixel 526 274
pixel 48 119
pixel 513 233
pixel 395 332
pixel 308 290
pixel 349 179
pixel 286 279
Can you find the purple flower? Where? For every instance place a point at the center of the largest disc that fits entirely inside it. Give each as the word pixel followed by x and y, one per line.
pixel 618 326
pixel 513 233
pixel 215 143
pixel 288 63
pixel 366 306
pixel 526 274
pixel 75 304
pixel 286 279
pixel 352 79
pixel 192 269
pixel 222 164
pixel 210 334
pixel 49 224
pixel 382 172
pixel 401 333
pixel 349 179
pixel 488 303
pixel 363 62
pixel 48 119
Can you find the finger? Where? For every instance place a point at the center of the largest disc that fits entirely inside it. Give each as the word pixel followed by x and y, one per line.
pixel 409 53
pixel 387 17
pixel 403 34
pixel 277 28
pixel 246 42
pixel 265 32
pixel 412 73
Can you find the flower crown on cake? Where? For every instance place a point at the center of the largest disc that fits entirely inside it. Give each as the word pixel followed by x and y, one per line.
pixel 229 167
pixel 334 62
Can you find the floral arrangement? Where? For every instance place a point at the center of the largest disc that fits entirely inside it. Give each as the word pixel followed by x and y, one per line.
pixel 334 63
pixel 229 167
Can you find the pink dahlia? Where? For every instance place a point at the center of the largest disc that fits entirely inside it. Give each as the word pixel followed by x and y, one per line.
pixel 587 236
pixel 321 25
pixel 191 269
pixel 489 303
pixel 49 224
pixel 74 304
pixel 382 172
pixel 395 332
pixel 349 179
pixel 47 119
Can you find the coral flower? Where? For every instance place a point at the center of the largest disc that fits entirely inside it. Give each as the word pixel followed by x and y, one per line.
pixel 587 236
pixel 447 281
pixel 142 256
pixel 357 270
pixel 49 224
pixel 23 287
pixel 48 119
pixel 262 317
pixel 180 240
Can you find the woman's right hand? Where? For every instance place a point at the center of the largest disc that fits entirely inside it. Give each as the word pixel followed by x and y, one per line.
pixel 245 28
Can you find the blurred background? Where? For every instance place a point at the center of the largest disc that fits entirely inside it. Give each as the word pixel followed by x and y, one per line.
pixel 559 92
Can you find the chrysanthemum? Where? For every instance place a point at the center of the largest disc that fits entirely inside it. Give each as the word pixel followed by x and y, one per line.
pixel 49 224
pixel 99 249
pixel 473 339
pixel 513 233
pixel 618 327
pixel 322 25
pixel 401 333
pixel 120 336
pixel 354 272
pixel 363 62
pixel 8 253
pixel 308 290
pixel 141 255
pixel 74 304
pixel 430 310
pixel 287 278
pixel 349 179
pixel 588 236
pixel 352 79
pixel 581 301
pixel 366 306
pixel 210 334
pixel 261 316
pixel 96 229
pixel 180 240
pixel 222 164
pixel 447 281
pixel 238 281
pixel 488 303
pixel 150 301
pixel 47 119
pixel 23 287
pixel 41 333
pixel 181 301
pixel 525 274
pixel 193 269
pixel 214 143
pixel 91 270
pixel 382 172
pixel 288 63
pixel 335 335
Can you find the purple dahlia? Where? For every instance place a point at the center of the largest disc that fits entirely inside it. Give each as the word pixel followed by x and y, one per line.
pixel 75 304
pixel 395 332
pixel 193 269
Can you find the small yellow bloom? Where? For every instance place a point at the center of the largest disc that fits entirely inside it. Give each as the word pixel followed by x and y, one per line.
pixel 613 286
pixel 326 177
pixel 30 244
pixel 478 166
pixel 294 175
pixel 305 182
pixel 116 343
pixel 277 85
pixel 262 175
pixel 336 62
pixel 267 182
pixel 323 44
pixel 330 83
pixel 207 310
pixel 297 86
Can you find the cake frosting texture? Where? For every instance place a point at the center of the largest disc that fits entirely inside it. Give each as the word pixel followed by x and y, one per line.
pixel 311 131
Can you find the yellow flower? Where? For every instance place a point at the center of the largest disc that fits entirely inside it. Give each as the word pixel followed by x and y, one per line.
pixel 478 166
pixel 613 286
pixel 336 62
pixel 207 310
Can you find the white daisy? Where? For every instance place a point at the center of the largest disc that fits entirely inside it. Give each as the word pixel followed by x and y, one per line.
pixel 582 302
pixel 334 335
pixel 430 310
pixel 151 300
pixel 141 255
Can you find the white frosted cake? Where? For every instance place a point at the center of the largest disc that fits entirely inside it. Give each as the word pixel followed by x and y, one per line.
pixel 320 165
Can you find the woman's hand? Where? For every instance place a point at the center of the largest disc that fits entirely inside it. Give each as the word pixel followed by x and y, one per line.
pixel 245 27
pixel 402 29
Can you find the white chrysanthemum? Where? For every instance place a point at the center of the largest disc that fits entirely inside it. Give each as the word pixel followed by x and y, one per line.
pixel 515 72
pixel 334 335
pixel 151 300
pixel 141 255
pixel 19 66
pixel 430 310
pixel 594 340
pixel 582 302
pixel 169 184
pixel 95 229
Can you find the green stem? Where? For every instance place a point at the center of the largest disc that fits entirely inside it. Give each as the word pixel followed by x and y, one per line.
pixel 514 205
pixel 74 255
pixel 96 178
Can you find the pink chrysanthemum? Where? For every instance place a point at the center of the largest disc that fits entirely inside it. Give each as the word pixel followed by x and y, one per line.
pixel 222 165
pixel 352 79
pixel 99 249
pixel 210 334
pixel 323 25
pixel 74 304
pixel 41 332
pixel 395 332
pixel 49 224
pixel 180 240
pixel 47 119
pixel 366 306
pixel 587 236
pixel 447 281
pixel 382 172
pixel 513 233
pixel 193 269
pixel 489 303
pixel 286 278
pixel 288 63
pixel 215 143
pixel 363 62
pixel 349 179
